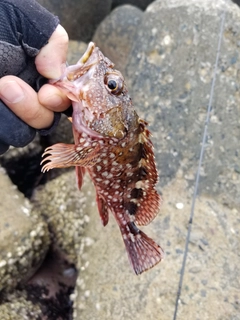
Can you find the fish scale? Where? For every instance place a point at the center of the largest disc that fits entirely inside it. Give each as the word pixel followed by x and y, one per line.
pixel 113 145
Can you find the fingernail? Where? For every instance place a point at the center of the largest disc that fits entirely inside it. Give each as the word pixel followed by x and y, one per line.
pixel 11 92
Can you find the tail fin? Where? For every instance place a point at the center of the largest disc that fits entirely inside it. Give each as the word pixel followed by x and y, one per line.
pixel 143 252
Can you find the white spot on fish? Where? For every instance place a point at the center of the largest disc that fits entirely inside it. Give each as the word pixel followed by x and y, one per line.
pixel 138 184
pixel 131 236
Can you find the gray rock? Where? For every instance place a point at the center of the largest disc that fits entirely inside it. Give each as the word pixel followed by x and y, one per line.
pixel 79 17
pixel 65 211
pixel 142 4
pixel 236 1
pixel 14 161
pixel 18 307
pixel 13 154
pixel 115 35
pixel 24 236
pixel 169 75
pixel 75 50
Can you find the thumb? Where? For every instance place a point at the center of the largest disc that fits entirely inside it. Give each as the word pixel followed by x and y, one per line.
pixel 53 55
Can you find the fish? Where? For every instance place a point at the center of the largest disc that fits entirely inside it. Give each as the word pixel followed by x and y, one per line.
pixel 113 145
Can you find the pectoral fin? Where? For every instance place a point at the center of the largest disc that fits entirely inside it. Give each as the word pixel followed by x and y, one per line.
pixel 62 155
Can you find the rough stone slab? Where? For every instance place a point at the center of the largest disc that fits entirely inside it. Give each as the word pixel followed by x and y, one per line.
pixel 108 289
pixel 142 4
pixel 79 17
pixel 64 210
pixel 18 308
pixel 24 236
pixel 115 35
pixel 169 74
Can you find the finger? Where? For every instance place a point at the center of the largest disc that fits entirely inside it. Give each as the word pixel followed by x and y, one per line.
pixel 53 55
pixel 23 101
pixel 53 99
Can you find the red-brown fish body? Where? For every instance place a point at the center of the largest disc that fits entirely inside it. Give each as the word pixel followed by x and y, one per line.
pixel 113 144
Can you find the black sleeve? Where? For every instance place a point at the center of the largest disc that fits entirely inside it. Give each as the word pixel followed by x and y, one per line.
pixel 26 23
pixel 25 28
pixel 13 130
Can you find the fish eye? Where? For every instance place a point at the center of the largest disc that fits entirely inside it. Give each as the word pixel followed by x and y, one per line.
pixel 114 83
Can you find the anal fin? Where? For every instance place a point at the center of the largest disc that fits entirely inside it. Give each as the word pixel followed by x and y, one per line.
pixel 102 209
pixel 80 171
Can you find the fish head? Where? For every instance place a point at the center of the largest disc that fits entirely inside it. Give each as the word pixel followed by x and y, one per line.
pixel 101 99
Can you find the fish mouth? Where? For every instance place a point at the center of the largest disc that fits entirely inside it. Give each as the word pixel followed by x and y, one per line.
pixel 89 59
pixel 88 53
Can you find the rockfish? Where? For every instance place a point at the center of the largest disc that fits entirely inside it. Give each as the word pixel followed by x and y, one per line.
pixel 113 144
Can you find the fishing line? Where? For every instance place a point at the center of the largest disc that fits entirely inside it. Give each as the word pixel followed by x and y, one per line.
pixel 220 36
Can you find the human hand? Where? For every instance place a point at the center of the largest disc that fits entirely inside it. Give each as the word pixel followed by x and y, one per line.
pixel 26 109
